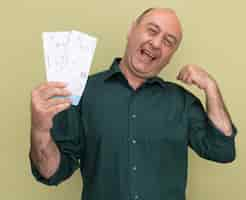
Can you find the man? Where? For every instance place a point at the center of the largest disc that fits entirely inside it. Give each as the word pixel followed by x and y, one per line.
pixel 131 130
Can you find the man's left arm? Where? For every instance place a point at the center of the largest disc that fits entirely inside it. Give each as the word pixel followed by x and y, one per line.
pixel 216 109
pixel 213 138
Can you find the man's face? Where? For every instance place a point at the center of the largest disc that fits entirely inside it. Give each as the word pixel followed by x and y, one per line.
pixel 152 42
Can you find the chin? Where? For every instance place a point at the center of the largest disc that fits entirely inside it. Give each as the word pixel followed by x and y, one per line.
pixel 141 72
pixel 144 70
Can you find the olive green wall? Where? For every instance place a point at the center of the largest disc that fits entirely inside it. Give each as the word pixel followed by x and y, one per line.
pixel 214 37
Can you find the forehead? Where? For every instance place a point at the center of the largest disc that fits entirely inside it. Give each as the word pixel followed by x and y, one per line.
pixel 166 20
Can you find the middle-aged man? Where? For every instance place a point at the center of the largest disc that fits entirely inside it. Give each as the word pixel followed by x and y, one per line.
pixel 131 130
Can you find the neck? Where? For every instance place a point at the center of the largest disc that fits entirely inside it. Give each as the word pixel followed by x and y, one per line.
pixel 134 81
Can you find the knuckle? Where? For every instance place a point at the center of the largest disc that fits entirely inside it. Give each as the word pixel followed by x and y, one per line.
pixel 189 67
pixel 41 85
pixel 34 102
pixel 33 93
pixel 35 99
pixel 39 109
pixel 58 91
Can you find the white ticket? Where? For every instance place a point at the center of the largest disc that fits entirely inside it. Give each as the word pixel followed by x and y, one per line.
pixel 68 58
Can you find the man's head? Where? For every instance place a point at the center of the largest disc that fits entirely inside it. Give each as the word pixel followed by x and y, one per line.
pixel 152 40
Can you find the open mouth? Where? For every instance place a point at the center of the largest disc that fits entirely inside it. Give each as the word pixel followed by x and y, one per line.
pixel 147 55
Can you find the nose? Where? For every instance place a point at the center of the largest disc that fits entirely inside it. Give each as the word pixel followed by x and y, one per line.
pixel 156 42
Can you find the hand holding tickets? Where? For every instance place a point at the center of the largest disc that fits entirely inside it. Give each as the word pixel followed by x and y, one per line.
pixel 68 57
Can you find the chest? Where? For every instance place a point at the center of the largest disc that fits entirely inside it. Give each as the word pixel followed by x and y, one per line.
pixel 147 115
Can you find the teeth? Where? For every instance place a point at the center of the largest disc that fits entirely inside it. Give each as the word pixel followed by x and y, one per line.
pixel 148 54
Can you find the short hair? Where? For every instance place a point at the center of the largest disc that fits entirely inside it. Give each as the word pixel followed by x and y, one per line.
pixel 140 17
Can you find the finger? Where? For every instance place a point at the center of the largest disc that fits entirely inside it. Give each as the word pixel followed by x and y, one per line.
pixel 184 76
pixel 189 80
pixel 182 72
pixel 180 75
pixel 49 84
pixel 56 101
pixel 52 92
pixel 59 108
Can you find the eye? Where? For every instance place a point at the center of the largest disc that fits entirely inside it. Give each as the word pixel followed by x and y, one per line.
pixel 152 31
pixel 167 42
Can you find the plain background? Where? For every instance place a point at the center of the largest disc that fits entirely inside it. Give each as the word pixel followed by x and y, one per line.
pixel 214 37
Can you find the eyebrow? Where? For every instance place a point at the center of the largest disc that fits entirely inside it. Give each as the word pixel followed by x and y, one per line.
pixel 168 34
pixel 155 25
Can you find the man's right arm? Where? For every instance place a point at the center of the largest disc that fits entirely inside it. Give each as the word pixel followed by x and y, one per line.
pixel 44 153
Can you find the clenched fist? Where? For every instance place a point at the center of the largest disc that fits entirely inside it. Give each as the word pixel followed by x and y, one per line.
pixel 44 107
pixel 192 74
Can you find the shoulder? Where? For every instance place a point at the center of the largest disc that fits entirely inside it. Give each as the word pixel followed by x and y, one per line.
pixel 179 92
pixel 97 77
pixel 95 84
pixel 176 88
pixel 96 80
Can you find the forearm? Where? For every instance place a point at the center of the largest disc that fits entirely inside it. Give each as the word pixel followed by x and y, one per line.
pixel 216 109
pixel 44 153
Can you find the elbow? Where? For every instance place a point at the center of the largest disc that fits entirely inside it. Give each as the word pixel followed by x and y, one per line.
pixel 46 177
pixel 230 157
pixel 45 170
pixel 47 174
pixel 227 160
pixel 223 154
pixel 227 157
